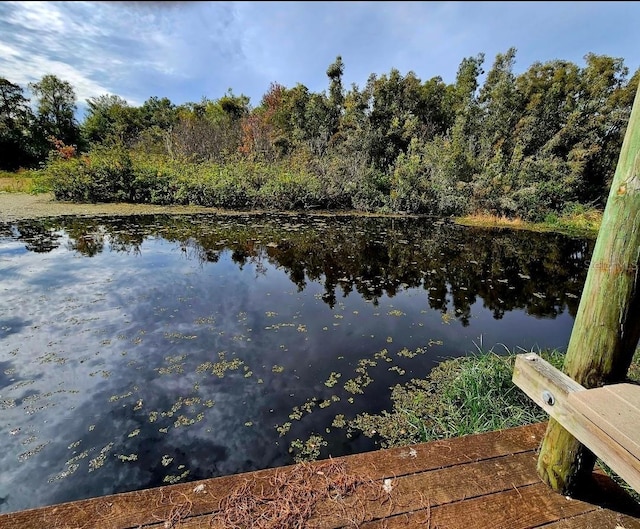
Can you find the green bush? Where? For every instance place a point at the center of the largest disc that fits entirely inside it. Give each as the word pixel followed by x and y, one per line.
pixel 290 190
pixel 155 184
pixel 219 186
pixel 373 192
pixel 100 176
pixel 69 179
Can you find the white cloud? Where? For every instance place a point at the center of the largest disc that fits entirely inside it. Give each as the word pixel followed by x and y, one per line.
pixel 32 69
pixel 187 50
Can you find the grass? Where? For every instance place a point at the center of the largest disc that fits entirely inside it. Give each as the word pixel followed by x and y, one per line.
pixel 15 183
pixel 577 221
pixel 462 396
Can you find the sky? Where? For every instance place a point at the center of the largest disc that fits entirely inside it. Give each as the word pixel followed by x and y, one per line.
pixel 187 51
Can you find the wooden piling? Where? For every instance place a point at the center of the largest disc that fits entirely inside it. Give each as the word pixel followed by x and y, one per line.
pixel 607 325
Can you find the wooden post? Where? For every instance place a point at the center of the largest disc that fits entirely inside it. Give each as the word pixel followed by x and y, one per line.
pixel 607 325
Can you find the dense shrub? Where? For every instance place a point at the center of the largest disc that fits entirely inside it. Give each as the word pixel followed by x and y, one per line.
pixel 101 176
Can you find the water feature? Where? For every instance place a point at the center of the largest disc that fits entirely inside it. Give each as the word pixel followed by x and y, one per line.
pixel 141 351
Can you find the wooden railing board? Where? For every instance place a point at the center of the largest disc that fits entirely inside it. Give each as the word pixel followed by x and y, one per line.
pixel 558 394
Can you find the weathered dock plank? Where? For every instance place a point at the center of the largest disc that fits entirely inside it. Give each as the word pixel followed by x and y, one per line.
pixel 487 480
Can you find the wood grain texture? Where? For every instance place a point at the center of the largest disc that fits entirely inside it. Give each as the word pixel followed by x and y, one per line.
pixel 519 508
pixel 606 328
pixel 478 481
pixel 615 409
pixel 149 506
pixel 606 421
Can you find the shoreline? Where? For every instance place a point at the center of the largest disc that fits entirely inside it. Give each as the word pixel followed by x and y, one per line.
pixel 23 206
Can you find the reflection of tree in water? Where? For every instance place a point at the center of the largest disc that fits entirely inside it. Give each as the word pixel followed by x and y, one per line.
pixel 455 266
pixel 37 238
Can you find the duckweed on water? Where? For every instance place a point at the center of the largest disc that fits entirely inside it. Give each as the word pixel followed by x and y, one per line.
pixel 29 453
pixel 296 414
pixel 339 421
pixel 333 379
pixel 284 428
pixel 98 461
pixel 175 371
pixel 465 395
pixel 115 398
pixel 307 450
pixel 171 479
pixel 183 420
pixel 354 386
pixel 220 368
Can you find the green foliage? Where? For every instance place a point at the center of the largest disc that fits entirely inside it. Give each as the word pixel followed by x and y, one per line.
pixel 16 121
pixel 69 179
pixel 224 186
pixel 290 190
pixel 422 181
pixel 307 450
pixel 471 394
pixel 158 112
pixel 500 104
pixel 159 180
pixel 114 175
pixel 521 146
pixel 102 176
pixel 55 114
pixel 110 121
pixel 372 193
pixel 441 162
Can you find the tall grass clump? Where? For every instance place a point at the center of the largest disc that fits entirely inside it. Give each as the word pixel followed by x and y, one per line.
pixel 461 396
pixel 21 181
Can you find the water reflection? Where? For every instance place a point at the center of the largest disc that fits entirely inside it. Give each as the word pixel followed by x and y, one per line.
pixel 508 269
pixel 147 350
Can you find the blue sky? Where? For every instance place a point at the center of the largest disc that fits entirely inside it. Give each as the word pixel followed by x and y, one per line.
pixel 189 50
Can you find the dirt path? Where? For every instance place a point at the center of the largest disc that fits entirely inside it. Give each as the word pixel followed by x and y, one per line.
pixel 15 206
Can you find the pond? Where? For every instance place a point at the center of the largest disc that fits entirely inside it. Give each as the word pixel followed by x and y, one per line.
pixel 146 350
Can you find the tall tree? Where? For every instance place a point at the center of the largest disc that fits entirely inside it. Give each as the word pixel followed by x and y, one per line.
pixel 466 85
pixel 235 107
pixel 158 112
pixel 110 120
pixel 156 118
pixel 16 120
pixel 56 107
pixel 336 94
pixel 501 106
pixel 209 130
pixel 549 93
pixel 264 128
pixel 434 108
pixel 603 112
pixel 464 145
pixel 398 114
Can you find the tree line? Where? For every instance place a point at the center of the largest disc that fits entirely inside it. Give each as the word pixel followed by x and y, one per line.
pixel 544 142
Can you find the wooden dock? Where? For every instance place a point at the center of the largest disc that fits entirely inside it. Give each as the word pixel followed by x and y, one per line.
pixel 605 419
pixel 473 482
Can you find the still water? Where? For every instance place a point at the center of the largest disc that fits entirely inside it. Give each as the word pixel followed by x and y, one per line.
pixel 142 351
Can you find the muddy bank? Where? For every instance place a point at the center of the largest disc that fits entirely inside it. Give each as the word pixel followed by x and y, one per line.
pixel 14 206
